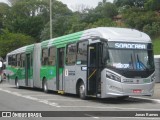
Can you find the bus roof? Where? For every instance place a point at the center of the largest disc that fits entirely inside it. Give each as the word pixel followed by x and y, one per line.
pixel 27 48
pixel 108 33
pixel 120 34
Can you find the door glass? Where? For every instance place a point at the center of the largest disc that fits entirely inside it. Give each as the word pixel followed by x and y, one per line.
pixel 82 53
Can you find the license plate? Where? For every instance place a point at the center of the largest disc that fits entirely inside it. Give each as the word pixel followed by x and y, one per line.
pixel 137 91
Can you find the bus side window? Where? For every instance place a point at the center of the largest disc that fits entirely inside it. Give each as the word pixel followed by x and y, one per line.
pixel 82 52
pixel 22 59
pixel 52 56
pixel 45 56
pixel 18 60
pixel 14 60
pixel 9 60
pixel 71 54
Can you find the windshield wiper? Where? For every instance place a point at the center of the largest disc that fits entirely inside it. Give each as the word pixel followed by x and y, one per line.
pixel 141 64
pixel 132 62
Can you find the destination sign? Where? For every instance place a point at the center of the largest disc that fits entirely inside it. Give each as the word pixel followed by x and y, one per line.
pixel 130 45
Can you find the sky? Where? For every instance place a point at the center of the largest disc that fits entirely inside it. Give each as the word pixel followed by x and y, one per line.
pixel 74 4
pixel 5 1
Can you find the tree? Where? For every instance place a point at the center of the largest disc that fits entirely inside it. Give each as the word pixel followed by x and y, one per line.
pixel 61 17
pixel 152 29
pixel 153 5
pixel 104 10
pixel 11 41
pixel 105 22
pixel 4 8
pixel 28 17
pixel 130 3
pixel 139 18
pixel 13 1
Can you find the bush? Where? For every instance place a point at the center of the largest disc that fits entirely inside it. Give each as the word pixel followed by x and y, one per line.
pixel 153 30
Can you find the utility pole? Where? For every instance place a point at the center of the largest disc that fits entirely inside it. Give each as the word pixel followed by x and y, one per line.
pixel 50 19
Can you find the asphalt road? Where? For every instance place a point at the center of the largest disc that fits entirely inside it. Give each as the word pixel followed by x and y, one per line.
pixel 27 99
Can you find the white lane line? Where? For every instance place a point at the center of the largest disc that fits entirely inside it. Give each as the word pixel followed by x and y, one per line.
pixel 143 118
pixel 155 100
pixel 40 95
pixel 31 98
pixel 62 100
pixel 24 93
pixel 88 115
pixel 56 104
pixel 97 107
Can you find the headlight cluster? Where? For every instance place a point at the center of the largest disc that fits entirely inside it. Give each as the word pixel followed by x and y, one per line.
pixel 113 76
pixel 153 78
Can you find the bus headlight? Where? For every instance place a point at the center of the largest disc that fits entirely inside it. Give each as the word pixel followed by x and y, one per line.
pixel 153 78
pixel 113 76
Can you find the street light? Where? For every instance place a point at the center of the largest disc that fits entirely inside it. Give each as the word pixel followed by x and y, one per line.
pixel 50 19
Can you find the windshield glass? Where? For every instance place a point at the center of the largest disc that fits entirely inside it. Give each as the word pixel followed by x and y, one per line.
pixel 130 59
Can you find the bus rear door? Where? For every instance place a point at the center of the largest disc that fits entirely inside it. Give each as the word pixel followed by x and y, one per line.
pixel 60 69
pixel 27 69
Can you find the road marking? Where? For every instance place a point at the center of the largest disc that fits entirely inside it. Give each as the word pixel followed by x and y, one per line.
pixel 97 107
pixel 62 100
pixel 88 115
pixel 155 100
pixel 41 95
pixel 143 118
pixel 30 97
pixel 45 101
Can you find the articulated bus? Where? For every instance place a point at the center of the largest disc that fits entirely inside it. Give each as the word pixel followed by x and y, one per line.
pixel 100 62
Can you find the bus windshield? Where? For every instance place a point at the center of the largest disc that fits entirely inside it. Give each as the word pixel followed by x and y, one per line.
pixel 130 59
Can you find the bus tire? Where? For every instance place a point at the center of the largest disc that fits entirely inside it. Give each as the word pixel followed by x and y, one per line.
pixel 45 86
pixel 82 93
pixel 17 84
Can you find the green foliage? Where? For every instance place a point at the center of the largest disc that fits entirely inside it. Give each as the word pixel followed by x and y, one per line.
pixel 102 23
pixel 138 18
pixel 152 29
pixel 130 3
pixel 26 17
pixel 156 44
pixel 11 41
pixel 106 10
pixel 152 5
pixel 3 12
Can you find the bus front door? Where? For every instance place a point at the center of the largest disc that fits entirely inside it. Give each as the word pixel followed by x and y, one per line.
pixel 27 69
pixel 60 69
pixel 94 69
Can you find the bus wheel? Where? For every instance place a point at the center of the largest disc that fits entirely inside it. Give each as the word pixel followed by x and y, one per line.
pixel 45 86
pixel 17 84
pixel 82 94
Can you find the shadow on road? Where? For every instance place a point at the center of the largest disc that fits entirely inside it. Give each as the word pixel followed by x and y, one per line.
pixel 129 100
